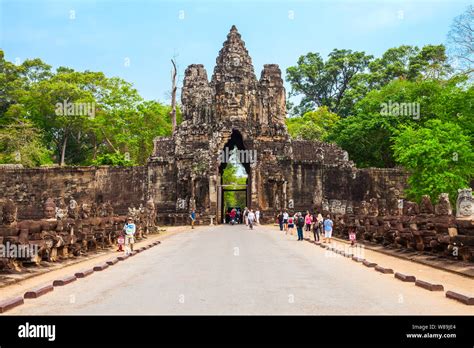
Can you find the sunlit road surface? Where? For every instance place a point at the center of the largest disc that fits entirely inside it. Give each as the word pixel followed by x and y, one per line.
pixel 233 270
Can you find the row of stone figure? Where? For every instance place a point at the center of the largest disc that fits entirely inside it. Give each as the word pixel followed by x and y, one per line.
pixel 394 205
pixel 68 230
pixel 422 227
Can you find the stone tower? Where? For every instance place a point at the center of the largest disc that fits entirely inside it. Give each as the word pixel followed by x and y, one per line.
pixel 235 109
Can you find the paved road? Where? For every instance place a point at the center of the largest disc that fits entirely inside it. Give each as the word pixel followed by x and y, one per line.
pixel 231 270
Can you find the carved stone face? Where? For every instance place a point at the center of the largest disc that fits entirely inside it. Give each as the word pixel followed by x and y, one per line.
pixel 150 206
pixel 85 211
pixel 49 212
pixel 466 208
pixel 9 214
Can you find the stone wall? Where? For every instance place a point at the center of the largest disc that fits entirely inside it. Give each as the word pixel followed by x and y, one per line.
pixel 29 188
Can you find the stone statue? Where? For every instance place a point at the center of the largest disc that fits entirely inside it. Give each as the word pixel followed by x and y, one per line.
pixel 393 203
pixel 335 206
pixel 410 208
pixel 343 208
pixel 363 208
pixel 73 209
pixel 426 207
pixel 373 207
pixel 444 206
pixel 150 217
pixel 51 229
pixel 382 205
pixel 349 208
pixel 465 204
pixel 325 205
pixel 10 234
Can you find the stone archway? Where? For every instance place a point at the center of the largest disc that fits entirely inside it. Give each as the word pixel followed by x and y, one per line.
pixel 245 157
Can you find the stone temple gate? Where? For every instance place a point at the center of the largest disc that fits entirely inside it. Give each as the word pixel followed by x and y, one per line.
pixel 232 110
pixel 235 109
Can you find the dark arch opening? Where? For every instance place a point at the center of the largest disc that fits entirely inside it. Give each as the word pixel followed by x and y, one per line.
pixel 236 141
pixel 234 194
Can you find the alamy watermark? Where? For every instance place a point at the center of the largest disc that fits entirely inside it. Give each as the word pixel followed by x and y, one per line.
pixel 18 251
pixel 67 108
pixel 400 109
pixel 238 156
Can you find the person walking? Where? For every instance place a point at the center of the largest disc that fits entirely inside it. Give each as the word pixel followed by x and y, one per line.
pixel 129 229
pixel 280 220
pixel 318 226
pixel 251 219
pixel 257 217
pixel 352 236
pixel 193 218
pixel 328 224
pixel 290 224
pixel 308 220
pixel 233 213
pixel 285 221
pixel 300 222
pixel 246 214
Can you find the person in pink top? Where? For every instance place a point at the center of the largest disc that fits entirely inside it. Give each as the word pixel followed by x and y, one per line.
pixel 308 219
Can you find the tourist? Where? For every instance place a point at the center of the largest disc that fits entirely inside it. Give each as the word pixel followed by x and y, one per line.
pixel 192 216
pixel 308 220
pixel 300 222
pixel 239 217
pixel 328 224
pixel 257 217
pixel 352 236
pixel 316 229
pixel 290 224
pixel 129 230
pixel 318 224
pixel 233 213
pixel 246 214
pixel 285 221
pixel 120 242
pixel 280 220
pixel 251 219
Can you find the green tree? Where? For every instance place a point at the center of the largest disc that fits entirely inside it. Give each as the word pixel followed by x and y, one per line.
pixel 326 83
pixel 368 134
pixel 21 143
pixel 438 156
pixel 313 125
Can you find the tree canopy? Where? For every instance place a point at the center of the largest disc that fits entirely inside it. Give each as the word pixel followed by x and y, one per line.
pixel 72 117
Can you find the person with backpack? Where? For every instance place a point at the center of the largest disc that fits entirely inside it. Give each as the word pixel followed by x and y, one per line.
pixel 280 220
pixel 317 226
pixel 129 229
pixel 300 222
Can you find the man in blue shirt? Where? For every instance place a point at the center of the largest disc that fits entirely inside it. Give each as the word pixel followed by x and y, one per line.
pixel 328 229
pixel 129 230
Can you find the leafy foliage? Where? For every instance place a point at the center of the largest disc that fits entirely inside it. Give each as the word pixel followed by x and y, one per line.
pixel 313 125
pixel 439 157
pixel 78 117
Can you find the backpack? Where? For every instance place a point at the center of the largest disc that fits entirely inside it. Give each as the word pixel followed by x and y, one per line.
pixel 300 221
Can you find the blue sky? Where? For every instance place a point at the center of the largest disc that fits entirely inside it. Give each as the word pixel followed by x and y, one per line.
pixel 105 35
